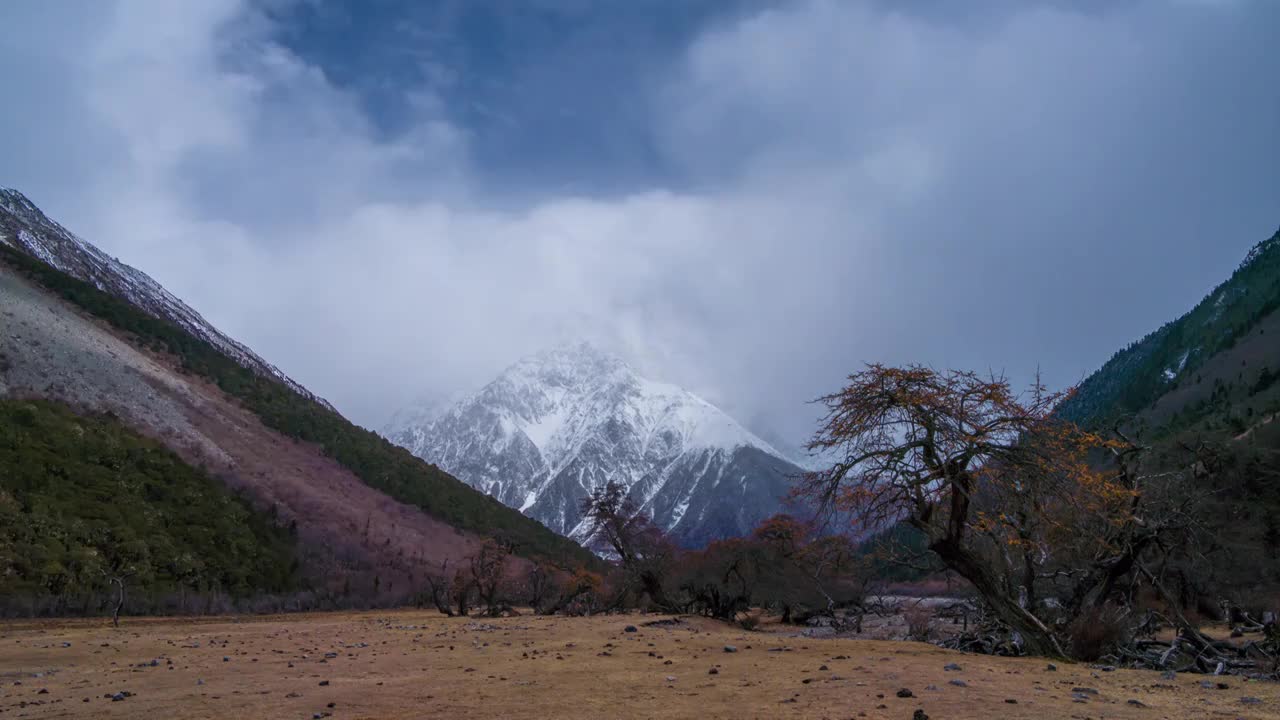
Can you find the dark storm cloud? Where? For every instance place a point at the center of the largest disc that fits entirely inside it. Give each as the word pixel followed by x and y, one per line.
pixel 788 190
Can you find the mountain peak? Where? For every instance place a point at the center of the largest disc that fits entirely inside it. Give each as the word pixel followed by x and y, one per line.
pixel 558 423
pixel 568 362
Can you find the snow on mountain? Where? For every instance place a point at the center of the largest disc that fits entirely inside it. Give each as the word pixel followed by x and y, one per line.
pixel 555 425
pixel 23 226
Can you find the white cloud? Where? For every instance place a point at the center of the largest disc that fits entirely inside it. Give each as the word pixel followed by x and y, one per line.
pixel 858 185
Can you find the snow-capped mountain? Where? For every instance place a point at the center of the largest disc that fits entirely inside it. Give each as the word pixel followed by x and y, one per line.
pixel 557 424
pixel 24 226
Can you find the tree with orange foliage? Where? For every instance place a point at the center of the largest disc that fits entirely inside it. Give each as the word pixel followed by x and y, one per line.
pixel 1006 495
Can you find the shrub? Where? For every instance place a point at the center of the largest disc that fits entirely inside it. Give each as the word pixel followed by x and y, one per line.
pixel 919 621
pixel 1096 633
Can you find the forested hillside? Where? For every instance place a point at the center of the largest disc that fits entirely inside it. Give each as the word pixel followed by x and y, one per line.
pixel 85 500
pixel 1218 360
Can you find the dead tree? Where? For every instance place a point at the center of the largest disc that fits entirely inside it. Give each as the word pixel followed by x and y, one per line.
pixel 440 587
pixel 118 578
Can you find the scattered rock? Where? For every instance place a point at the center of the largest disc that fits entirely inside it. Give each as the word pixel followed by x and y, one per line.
pixel 323 683
pixel 730 649
pixel 1250 701
pixel 1168 675
pixel 1051 667
pixel 958 683
pixel 713 671
pixel 952 667
pixel 629 628
pixel 1085 690
pixel 1137 703
pixel 1011 701
pixel 905 693
pixel 919 715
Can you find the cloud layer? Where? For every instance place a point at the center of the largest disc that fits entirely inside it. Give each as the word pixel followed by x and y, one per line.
pixel 1029 185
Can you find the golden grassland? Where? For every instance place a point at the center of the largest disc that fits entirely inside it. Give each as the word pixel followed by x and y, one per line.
pixel 414 664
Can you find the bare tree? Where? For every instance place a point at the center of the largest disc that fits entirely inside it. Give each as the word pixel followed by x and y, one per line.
pixel 118 577
pixel 642 548
pixel 488 575
pixel 440 586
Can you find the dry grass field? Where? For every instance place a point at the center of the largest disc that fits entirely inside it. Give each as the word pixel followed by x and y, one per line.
pixel 408 664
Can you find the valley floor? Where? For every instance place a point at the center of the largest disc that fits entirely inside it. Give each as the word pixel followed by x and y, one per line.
pixel 407 664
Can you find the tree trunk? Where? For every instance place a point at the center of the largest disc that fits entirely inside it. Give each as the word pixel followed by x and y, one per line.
pixel 653 586
pixel 1036 638
pixel 115 615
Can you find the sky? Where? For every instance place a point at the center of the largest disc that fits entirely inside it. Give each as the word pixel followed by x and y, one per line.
pixel 394 200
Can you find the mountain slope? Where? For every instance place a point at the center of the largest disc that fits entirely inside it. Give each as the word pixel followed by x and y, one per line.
pixel 84 498
pixel 25 227
pixel 1217 363
pixel 368 514
pixel 555 425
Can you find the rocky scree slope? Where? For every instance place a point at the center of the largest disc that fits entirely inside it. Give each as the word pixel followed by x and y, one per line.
pixel 24 227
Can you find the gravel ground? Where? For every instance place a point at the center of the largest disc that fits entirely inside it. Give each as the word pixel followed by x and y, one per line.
pixel 408 664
